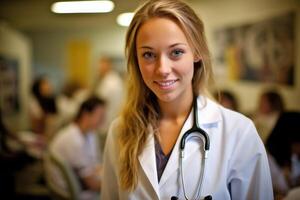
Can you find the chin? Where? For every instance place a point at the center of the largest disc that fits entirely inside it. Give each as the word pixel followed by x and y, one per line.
pixel 166 97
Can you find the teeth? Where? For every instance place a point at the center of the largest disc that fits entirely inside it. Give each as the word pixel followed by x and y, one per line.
pixel 165 84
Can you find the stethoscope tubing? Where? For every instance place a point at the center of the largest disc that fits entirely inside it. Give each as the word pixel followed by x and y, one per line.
pixel 202 173
pixel 205 138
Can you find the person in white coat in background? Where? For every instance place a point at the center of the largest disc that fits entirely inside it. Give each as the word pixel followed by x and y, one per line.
pixel 110 87
pixel 168 72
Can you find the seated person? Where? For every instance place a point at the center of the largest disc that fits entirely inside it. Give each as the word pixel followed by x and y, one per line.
pixel 43 113
pixel 77 144
pixel 69 100
pixel 12 159
pixel 283 145
pixel 270 106
pixel 227 99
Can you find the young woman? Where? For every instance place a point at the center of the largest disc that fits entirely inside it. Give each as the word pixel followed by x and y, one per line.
pixel 42 107
pixel 167 111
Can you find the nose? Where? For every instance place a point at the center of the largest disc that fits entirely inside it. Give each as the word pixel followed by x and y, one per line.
pixel 163 66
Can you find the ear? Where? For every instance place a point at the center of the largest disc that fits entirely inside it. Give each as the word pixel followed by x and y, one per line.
pixel 197 59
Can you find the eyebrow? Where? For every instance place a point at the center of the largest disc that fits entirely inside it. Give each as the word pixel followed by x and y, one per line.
pixel 171 46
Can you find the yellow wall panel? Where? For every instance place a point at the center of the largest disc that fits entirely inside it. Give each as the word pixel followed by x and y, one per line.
pixel 79 54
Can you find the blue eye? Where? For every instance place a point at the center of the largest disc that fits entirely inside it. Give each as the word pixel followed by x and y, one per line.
pixel 148 55
pixel 176 53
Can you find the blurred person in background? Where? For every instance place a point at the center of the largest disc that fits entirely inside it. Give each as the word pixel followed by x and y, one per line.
pixel 69 100
pixel 227 99
pixel 283 146
pixel 12 159
pixel 78 145
pixel 110 87
pixel 43 108
pixel 269 108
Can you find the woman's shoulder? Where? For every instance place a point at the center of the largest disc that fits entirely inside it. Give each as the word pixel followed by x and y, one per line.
pixel 113 130
pixel 239 126
pixel 233 124
pixel 115 124
pixel 224 114
pixel 234 115
pixel 111 149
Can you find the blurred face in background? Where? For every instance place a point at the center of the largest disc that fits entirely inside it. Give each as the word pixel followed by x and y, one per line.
pixel 227 103
pixel 96 117
pixel 264 105
pixel 104 66
pixel 46 89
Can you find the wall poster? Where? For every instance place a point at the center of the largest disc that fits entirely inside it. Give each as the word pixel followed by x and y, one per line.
pixel 261 51
pixel 9 86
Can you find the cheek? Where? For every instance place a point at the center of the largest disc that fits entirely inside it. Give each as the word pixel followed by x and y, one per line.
pixel 188 69
pixel 93 120
pixel 145 71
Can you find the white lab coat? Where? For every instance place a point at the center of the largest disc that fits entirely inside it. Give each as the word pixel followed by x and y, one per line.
pixel 236 168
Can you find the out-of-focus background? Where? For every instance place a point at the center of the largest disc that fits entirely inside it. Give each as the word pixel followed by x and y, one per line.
pixel 254 45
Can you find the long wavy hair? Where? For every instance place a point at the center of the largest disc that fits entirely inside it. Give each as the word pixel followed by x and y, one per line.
pixel 141 110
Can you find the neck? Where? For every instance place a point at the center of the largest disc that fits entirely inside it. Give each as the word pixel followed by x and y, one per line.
pixel 176 109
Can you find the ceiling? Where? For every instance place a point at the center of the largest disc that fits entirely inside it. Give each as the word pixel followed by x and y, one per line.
pixel 35 15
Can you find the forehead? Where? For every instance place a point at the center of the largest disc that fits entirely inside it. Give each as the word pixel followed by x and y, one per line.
pixel 160 28
pixel 97 109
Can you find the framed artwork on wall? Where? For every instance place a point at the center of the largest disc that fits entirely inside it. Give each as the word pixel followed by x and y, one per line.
pixel 261 51
pixel 9 86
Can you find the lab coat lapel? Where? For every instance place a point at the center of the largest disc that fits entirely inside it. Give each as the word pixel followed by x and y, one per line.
pixel 148 162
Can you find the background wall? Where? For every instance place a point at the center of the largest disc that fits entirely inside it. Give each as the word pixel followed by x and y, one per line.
pixel 218 14
pixel 14 45
pixel 48 49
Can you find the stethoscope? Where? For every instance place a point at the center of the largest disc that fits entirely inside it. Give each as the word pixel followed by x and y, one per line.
pixel 200 133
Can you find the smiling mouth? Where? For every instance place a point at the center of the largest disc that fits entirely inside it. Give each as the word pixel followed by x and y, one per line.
pixel 166 84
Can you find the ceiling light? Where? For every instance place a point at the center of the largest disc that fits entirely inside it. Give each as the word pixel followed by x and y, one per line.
pixel 103 6
pixel 124 19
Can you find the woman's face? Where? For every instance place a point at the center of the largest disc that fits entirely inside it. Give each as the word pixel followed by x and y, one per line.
pixel 165 59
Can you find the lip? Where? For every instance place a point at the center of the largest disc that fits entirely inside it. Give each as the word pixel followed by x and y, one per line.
pixel 166 84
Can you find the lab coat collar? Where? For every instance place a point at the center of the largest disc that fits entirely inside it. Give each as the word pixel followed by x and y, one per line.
pixel 208 116
pixel 208 111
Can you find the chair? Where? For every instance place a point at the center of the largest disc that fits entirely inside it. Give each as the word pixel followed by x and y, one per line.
pixel 72 190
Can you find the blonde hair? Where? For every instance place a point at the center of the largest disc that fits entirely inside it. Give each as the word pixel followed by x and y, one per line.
pixel 141 110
